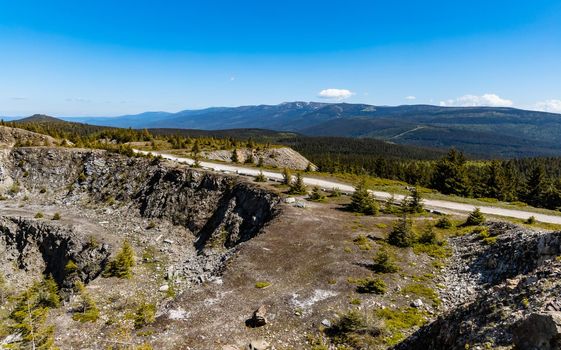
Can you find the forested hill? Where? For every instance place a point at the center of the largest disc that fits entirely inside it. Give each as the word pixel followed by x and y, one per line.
pixel 484 131
pixel 536 181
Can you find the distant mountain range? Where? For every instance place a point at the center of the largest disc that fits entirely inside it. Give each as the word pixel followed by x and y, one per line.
pixel 487 131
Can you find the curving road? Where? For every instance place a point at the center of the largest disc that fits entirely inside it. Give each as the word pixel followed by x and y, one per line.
pixel 439 205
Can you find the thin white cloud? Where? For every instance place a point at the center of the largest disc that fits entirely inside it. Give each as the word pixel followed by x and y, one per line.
pixel 490 100
pixel 410 97
pixel 335 94
pixel 553 106
pixel 78 100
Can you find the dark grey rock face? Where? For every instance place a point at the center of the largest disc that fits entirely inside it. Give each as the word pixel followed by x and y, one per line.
pixel 220 211
pixel 538 331
pixel 27 241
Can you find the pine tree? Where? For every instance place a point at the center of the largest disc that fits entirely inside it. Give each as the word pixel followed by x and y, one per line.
pixel 87 311
pixel 196 147
pixel 145 314
pixel 362 201
pixel 286 176
pixel 234 157
pixel 475 218
pixel 402 234
pixel 260 177
pixel 496 181
pixel 450 174
pixel 121 266
pixel 260 162
pixel 537 187
pixel 316 195
pixel 30 313
pixel 413 204
pixel 298 186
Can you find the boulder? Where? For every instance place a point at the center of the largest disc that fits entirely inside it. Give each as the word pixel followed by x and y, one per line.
pixel 259 344
pixel 538 331
pixel 259 318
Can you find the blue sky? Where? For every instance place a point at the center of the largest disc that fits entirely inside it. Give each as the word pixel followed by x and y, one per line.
pixel 80 58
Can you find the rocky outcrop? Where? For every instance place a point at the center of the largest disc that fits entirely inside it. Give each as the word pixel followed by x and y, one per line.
pixel 277 157
pixel 538 331
pixel 221 211
pixel 492 291
pixel 12 136
pixel 31 244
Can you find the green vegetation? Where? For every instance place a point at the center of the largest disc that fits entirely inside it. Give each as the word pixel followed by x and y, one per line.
pixel 362 242
pixel 260 177
pixel 39 215
pixel 70 267
pixel 398 320
pixel 28 316
pixel 535 181
pixel 286 176
pixel 262 284
pixel 413 203
pixel 362 201
pixel 423 291
pixel 402 234
pixel 352 328
pixel 531 220
pixel 297 186
pixel 316 195
pixel 87 311
pixel 370 285
pixel 383 262
pixel 121 266
pixel 144 315
pixel 484 234
pixel 444 223
pixel 475 218
pixel 56 216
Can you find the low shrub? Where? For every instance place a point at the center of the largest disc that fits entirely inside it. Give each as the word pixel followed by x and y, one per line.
pixel 371 285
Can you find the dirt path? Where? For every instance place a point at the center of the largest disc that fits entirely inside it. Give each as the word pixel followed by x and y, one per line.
pixel 429 203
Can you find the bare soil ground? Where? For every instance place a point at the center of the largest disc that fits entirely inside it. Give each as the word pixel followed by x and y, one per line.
pixel 307 255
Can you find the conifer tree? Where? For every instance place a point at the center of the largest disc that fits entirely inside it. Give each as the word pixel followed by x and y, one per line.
pixel 286 176
pixel 316 195
pixel 30 313
pixel 413 204
pixel 362 201
pixel 298 186
pixel 234 157
pixel 87 311
pixel 475 218
pixel 402 234
pixel 450 174
pixel 121 266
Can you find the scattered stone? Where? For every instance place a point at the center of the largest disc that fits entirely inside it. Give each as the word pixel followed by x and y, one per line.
pixel 259 344
pixel 326 323
pixel 259 318
pixel 164 288
pixel 290 200
pixel 417 303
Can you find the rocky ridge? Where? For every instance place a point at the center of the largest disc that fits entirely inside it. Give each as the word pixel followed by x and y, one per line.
pixel 493 289
pixel 219 211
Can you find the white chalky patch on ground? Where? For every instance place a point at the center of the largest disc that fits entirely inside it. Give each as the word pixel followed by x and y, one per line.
pixel 319 295
pixel 178 314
